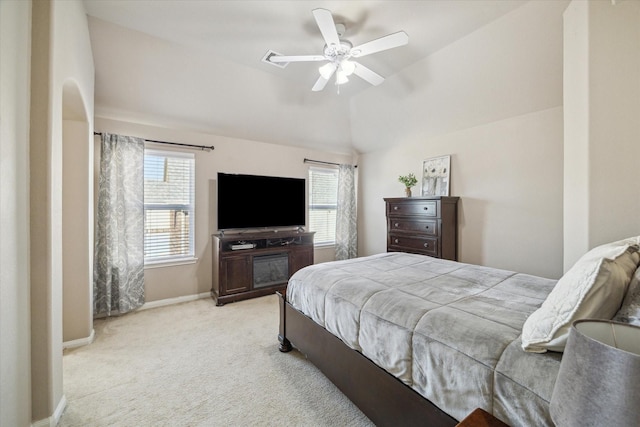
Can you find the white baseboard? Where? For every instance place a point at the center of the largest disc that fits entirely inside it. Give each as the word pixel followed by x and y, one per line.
pixel 153 304
pixel 161 303
pixel 80 342
pixel 62 405
pixel 54 419
pixel 171 301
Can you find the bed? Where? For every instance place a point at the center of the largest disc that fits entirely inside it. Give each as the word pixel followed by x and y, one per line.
pixel 433 339
pixel 416 340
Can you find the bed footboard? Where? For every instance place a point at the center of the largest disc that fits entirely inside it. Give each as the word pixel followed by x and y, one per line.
pixel 285 344
pixel 383 398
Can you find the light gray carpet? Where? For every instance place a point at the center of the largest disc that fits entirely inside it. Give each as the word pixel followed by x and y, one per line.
pixel 195 364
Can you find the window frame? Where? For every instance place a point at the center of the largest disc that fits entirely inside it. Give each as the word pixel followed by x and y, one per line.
pixel 170 260
pixel 320 206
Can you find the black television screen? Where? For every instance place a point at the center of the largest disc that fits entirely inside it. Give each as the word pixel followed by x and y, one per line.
pixel 253 201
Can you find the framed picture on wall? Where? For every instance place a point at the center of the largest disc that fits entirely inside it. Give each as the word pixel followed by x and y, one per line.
pixel 435 176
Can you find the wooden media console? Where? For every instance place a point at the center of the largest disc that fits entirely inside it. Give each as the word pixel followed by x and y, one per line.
pixel 250 265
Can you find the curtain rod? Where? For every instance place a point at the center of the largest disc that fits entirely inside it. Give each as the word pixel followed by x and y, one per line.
pixel 201 147
pixel 324 163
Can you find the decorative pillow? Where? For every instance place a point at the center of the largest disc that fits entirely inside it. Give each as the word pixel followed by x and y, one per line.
pixel 630 310
pixel 593 288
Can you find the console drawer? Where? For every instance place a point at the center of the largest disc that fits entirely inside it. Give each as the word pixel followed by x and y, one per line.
pixel 419 207
pixel 422 245
pixel 426 227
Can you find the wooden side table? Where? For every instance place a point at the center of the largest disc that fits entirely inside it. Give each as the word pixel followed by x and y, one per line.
pixel 481 418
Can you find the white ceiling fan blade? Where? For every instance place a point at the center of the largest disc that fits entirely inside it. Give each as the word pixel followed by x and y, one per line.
pixel 367 75
pixel 383 43
pixel 324 19
pixel 320 84
pixel 296 58
pixel 323 80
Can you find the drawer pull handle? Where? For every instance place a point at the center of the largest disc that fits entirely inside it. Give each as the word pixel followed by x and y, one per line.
pixel 395 208
pixel 396 224
pixel 426 226
pixel 426 245
pixel 395 241
pixel 426 208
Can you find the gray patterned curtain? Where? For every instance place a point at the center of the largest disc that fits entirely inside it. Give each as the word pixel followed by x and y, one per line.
pixel 118 276
pixel 346 229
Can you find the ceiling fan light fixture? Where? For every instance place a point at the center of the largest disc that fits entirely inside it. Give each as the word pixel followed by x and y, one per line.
pixel 347 67
pixel 327 70
pixel 341 78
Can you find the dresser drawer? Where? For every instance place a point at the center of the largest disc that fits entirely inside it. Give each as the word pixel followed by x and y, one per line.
pixel 414 226
pixel 423 245
pixel 419 207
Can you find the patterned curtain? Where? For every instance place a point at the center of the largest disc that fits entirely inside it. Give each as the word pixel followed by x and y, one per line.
pixel 118 276
pixel 346 229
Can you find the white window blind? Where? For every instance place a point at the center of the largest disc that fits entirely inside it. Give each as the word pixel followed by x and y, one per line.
pixel 323 203
pixel 168 205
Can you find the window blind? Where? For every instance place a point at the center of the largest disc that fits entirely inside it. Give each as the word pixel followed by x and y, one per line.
pixel 168 205
pixel 323 203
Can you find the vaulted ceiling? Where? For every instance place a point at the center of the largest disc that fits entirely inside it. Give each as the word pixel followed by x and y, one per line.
pixel 197 64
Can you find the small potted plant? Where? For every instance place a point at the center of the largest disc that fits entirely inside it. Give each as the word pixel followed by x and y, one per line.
pixel 408 181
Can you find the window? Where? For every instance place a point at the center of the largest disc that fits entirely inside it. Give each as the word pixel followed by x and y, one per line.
pixel 168 206
pixel 323 204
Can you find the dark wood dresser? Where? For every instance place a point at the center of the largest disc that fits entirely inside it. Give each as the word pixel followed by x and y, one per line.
pixel 423 225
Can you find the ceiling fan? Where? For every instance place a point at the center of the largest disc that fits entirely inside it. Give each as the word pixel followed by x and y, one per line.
pixel 340 53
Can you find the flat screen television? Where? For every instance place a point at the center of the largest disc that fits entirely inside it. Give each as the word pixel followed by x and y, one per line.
pixel 254 201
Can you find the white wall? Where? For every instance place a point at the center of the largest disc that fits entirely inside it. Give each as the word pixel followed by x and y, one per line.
pixel 15 384
pixel 602 116
pixel 493 101
pixel 231 156
pixel 61 53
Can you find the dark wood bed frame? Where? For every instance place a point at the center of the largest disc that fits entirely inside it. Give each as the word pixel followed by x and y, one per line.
pixel 383 398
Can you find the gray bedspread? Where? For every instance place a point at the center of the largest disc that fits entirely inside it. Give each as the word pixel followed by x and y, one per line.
pixel 449 330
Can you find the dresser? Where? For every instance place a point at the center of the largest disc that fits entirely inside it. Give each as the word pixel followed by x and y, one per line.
pixel 423 225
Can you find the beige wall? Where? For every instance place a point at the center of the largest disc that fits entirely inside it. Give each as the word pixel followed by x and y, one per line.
pixel 602 124
pixel 493 101
pixel 576 134
pixel 77 224
pixel 61 53
pixel 15 387
pixel 231 156
pixel 508 175
pixel 45 378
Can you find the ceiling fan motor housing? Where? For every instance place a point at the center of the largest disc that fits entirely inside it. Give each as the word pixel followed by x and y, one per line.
pixel 337 53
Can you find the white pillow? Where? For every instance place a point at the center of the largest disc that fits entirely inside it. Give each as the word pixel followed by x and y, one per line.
pixel 593 288
pixel 630 310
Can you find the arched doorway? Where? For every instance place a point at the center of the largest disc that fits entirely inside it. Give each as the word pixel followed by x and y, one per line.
pixel 77 219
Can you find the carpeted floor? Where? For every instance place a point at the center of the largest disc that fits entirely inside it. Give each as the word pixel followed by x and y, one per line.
pixel 195 364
